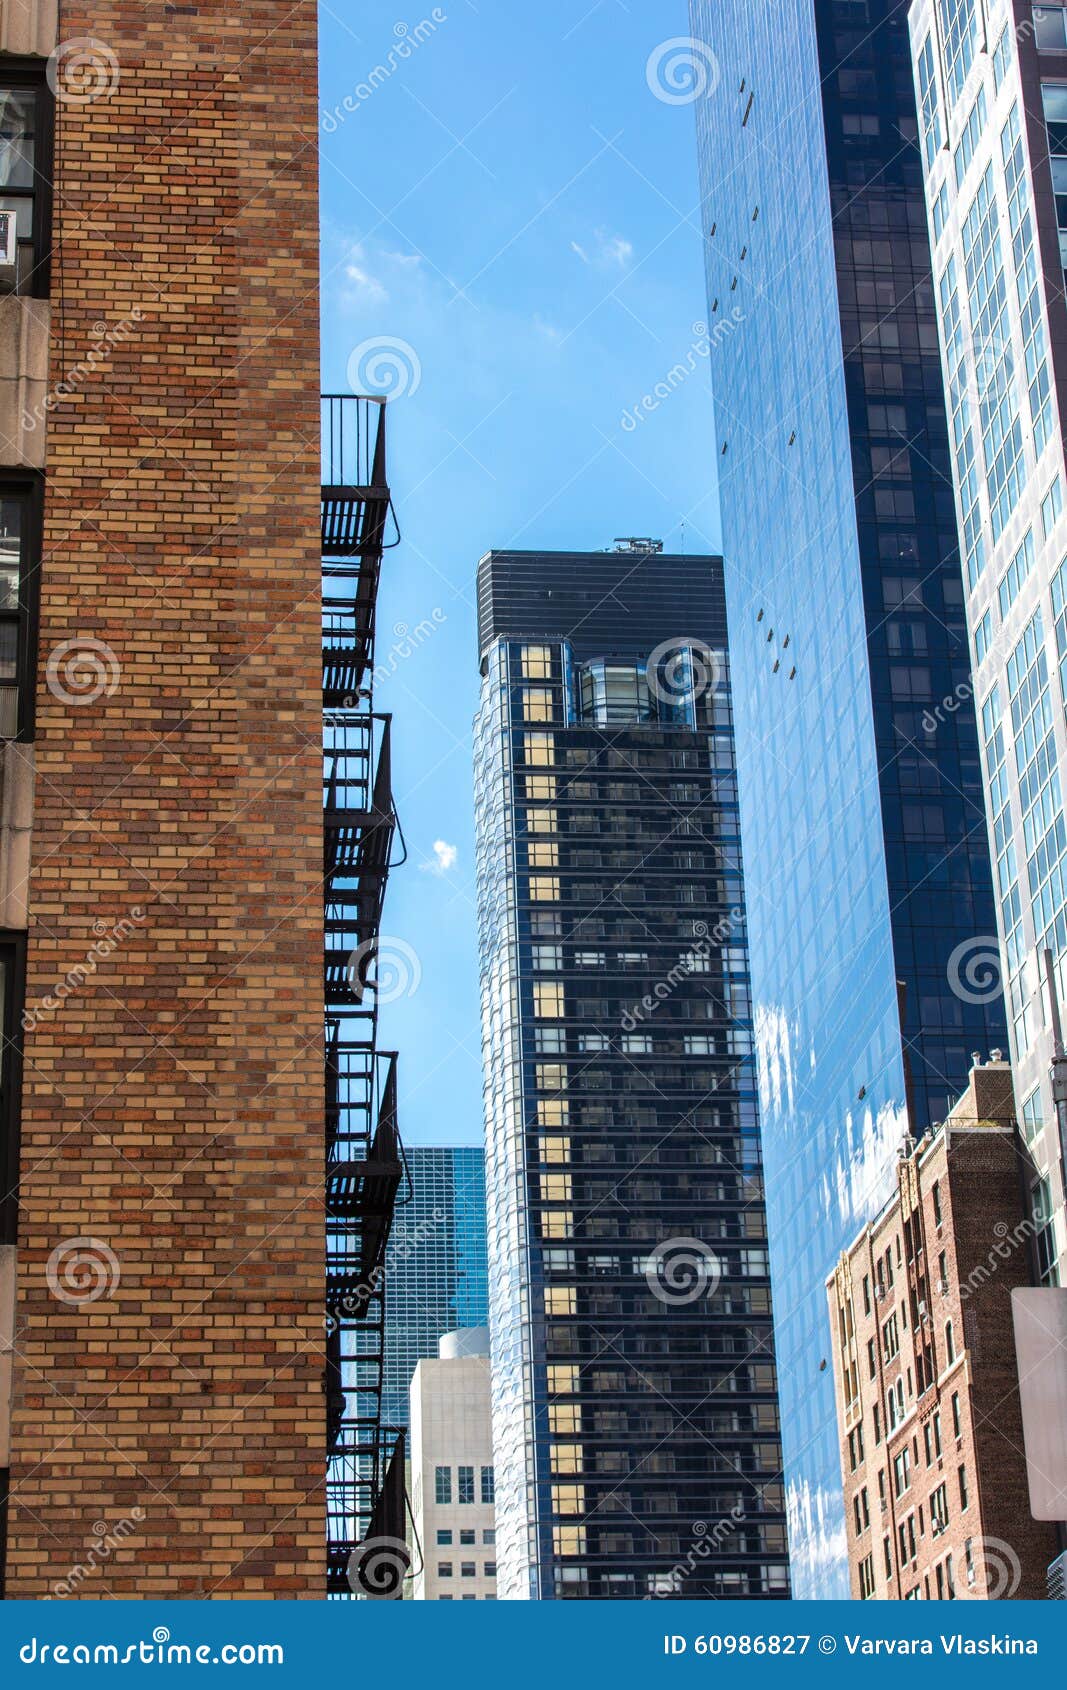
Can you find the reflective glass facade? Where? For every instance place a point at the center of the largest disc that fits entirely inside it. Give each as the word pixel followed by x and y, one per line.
pixel 435 1266
pixel 635 1417
pixel 865 845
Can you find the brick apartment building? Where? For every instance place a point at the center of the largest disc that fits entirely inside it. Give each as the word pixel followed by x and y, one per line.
pixel 935 1488
pixel 162 1413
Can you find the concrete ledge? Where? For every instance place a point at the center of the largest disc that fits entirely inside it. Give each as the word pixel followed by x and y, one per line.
pixel 16 822
pixel 29 26
pixel 24 326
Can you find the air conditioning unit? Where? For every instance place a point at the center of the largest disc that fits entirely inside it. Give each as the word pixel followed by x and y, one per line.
pixel 8 238
pixel 942 1286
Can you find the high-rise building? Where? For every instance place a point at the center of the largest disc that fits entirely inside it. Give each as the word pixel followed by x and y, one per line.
pixel 635 1417
pixel 165 1226
pixel 453 1517
pixel 993 98
pixel 930 1420
pixel 435 1264
pixel 871 903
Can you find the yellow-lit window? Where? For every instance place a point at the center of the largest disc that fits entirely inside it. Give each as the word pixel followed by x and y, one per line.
pixel 555 1188
pixel 541 821
pixel 537 662
pixel 542 853
pixel 553 1111
pixel 568 1540
pixel 566 1458
pixel 557 1223
pixel 564 1417
pixel 555 1149
pixel 560 1299
pixel 539 750
pixel 544 888
pixel 568 1499
pixel 562 1378
pixel 548 998
pixel 541 788
pixel 538 704
pixel 551 1076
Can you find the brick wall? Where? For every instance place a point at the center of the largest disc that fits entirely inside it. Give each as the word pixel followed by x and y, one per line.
pixel 961 1193
pixel 172 1103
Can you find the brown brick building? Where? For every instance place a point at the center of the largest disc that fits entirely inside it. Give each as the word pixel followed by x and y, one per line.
pixel 936 1499
pixel 161 916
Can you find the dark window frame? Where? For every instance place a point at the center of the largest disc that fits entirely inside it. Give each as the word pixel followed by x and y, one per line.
pixel 28 486
pixel 13 962
pixel 31 73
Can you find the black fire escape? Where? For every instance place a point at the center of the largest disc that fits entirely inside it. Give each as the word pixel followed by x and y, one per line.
pixel 364 1159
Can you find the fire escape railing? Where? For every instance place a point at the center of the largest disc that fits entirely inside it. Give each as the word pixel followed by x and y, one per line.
pixel 364 1159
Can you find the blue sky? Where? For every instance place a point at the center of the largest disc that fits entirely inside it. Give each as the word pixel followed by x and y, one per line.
pixel 510 236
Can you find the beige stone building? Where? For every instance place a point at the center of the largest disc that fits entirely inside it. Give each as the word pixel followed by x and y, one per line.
pixel 452 1479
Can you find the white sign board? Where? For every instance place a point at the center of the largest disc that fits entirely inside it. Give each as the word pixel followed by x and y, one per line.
pixel 1041 1351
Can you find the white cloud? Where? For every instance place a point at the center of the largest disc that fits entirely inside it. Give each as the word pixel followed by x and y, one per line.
pixel 444 858
pixel 609 251
pixel 365 288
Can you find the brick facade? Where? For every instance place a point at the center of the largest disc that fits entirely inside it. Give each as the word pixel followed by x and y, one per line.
pixel 935 1490
pixel 173 1102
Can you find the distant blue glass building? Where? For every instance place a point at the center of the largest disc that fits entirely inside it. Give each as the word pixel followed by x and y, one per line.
pixel 861 800
pixel 436 1264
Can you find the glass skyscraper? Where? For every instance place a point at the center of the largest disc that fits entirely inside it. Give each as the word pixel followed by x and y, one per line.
pixel 635 1416
pixel 435 1266
pixel 871 910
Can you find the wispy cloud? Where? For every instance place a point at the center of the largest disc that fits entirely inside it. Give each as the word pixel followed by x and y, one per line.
pixel 444 858
pixel 606 250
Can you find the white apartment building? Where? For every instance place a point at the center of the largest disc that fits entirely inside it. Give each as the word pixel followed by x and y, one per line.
pixel 991 83
pixel 452 1480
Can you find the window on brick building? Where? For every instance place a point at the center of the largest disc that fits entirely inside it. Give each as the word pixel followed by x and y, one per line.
pixel 20 553
pixel 26 107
